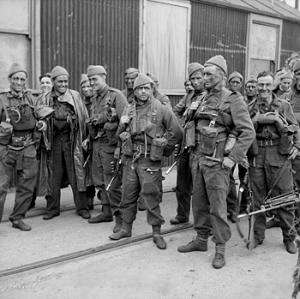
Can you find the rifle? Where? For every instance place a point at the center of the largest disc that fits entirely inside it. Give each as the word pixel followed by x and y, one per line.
pixel 116 173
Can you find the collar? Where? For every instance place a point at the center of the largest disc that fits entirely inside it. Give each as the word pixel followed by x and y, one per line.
pixel 102 92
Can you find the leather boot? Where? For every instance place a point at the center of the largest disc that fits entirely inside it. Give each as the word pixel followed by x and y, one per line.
pixel 104 216
pixel 157 237
pixel 219 259
pixel 177 220
pixel 198 244
pixel 124 232
pixel 21 225
pixel 118 224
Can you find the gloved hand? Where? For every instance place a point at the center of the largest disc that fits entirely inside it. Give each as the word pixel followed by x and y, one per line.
pixel 228 163
pixel 293 153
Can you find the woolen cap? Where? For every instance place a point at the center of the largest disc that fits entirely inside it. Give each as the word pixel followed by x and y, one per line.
pixel 140 80
pixel 235 75
pixel 15 68
pixel 93 70
pixel 194 67
pixel 84 78
pixel 218 61
pixel 58 71
pixel 131 71
pixel 284 74
pixel 251 79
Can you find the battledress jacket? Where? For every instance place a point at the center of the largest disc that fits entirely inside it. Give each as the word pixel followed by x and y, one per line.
pixel 73 98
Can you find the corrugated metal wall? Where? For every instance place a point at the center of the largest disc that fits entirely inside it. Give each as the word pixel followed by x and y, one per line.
pixel 76 33
pixel 218 30
pixel 290 41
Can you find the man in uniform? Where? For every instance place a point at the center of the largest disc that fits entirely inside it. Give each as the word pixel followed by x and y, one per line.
pixel 18 137
pixel 66 130
pixel 106 110
pixel 129 77
pixel 164 99
pixel 86 95
pixel 235 82
pixel 284 80
pixel 220 113
pixel 277 145
pixel 143 128
pixel 184 176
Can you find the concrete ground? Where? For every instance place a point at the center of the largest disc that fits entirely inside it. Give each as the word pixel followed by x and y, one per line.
pixel 139 270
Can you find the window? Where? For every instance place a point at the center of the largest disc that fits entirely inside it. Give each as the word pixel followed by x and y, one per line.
pixel 165 42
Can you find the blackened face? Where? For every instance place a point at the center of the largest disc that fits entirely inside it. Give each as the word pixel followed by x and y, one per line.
pixel 86 89
pixel 143 92
pixel 235 84
pixel 197 80
pixel 251 89
pixel 61 83
pixel 18 81
pixel 212 77
pixel 129 80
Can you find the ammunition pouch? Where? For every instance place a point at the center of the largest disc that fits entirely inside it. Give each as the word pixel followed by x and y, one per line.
pixel 190 134
pixel 157 148
pixel 127 146
pixel 5 133
pixel 207 140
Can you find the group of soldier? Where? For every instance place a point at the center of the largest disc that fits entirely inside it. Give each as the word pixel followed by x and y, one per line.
pixel 111 143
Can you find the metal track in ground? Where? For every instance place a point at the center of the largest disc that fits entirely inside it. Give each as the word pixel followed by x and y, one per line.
pixel 89 251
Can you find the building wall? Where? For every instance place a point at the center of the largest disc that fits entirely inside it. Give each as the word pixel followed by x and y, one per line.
pixel 75 34
pixel 290 40
pixel 218 30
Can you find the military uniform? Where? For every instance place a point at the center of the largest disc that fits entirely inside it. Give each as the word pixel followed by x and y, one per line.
pixel 144 143
pixel 273 148
pixel 18 152
pixel 106 110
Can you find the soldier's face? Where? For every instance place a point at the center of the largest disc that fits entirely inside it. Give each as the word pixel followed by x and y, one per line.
pixel 235 84
pixel 18 81
pixel 97 82
pixel 197 80
pixel 285 84
pixel 129 80
pixel 265 86
pixel 212 76
pixel 251 89
pixel 188 86
pixel 61 83
pixel 46 84
pixel 86 89
pixel 143 92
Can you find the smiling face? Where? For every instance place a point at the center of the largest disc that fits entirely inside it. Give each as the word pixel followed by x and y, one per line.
pixel 45 84
pixel 265 86
pixel 285 84
pixel 97 82
pixel 18 81
pixel 61 83
pixel 143 92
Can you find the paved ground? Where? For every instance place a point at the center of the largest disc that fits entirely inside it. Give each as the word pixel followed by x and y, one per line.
pixel 139 270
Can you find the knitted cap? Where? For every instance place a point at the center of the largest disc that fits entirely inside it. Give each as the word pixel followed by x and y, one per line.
pixel 93 70
pixel 235 75
pixel 84 78
pixel 140 80
pixel 218 61
pixel 15 68
pixel 296 66
pixel 131 71
pixel 251 79
pixel 194 67
pixel 58 71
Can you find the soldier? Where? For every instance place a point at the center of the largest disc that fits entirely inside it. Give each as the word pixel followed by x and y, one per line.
pixel 66 130
pixel 235 82
pixel 276 127
pixel 107 107
pixel 220 113
pixel 250 91
pixel 144 143
pixel 129 77
pixel 283 90
pixel 164 99
pixel 45 83
pixel 86 94
pixel 184 175
pixel 18 138
pixel 188 86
